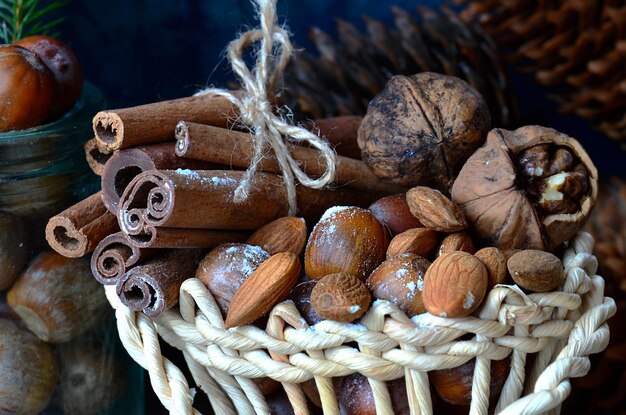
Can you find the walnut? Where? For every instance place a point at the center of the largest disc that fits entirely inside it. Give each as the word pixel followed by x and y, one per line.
pixel 532 188
pixel 420 129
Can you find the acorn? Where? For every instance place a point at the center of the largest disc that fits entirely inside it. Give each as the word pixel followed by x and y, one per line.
pixel 28 368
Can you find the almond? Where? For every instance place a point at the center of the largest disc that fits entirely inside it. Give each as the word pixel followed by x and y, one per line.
pixel 340 297
pixel 434 210
pixel 458 241
pixel 286 234
pixel 536 270
pixel 269 284
pixel 495 261
pixel 418 241
pixel 454 285
pixel 226 267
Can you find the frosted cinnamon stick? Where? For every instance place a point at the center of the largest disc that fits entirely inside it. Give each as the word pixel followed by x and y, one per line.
pixel 225 146
pixel 77 230
pixel 159 237
pixel 153 286
pixel 154 123
pixel 115 255
pixel 124 165
pixel 203 199
pixel 341 133
pixel 95 158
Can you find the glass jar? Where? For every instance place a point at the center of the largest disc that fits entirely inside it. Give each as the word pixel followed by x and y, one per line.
pixel 43 170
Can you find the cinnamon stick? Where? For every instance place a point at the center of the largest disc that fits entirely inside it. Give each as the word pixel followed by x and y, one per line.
pixel 224 146
pixel 159 237
pixel 341 133
pixel 115 255
pixel 154 123
pixel 95 158
pixel 77 230
pixel 124 165
pixel 153 286
pixel 203 199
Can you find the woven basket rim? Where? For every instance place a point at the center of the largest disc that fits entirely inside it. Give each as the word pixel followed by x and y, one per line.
pixel 561 327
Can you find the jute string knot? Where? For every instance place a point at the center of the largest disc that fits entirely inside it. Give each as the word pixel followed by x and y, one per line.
pixel 255 107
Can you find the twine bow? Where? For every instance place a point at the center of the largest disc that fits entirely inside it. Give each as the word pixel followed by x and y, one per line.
pixel 256 110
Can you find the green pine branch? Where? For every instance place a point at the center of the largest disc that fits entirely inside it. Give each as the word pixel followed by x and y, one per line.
pixel 23 18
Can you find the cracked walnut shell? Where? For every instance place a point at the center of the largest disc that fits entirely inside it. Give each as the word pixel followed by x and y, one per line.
pixel 532 188
pixel 420 129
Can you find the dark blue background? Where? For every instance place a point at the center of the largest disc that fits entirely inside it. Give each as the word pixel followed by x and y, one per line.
pixel 140 51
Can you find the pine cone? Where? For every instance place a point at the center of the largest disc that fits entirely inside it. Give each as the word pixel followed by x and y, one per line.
pixel 580 44
pixel 347 74
pixel 607 224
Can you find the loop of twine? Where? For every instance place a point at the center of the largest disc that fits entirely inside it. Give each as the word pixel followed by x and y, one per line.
pixel 256 109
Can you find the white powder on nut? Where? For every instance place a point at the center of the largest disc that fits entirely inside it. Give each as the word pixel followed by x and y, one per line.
pixel 411 286
pixel 469 301
pixel 354 309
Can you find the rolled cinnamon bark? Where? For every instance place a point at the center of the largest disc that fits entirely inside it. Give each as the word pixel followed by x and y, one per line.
pixel 115 255
pixel 95 158
pixel 124 165
pixel 203 199
pixel 77 230
pixel 341 133
pixel 157 237
pixel 153 286
pixel 154 123
pixel 224 146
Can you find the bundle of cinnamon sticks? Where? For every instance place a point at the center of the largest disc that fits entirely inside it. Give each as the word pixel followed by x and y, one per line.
pixel 169 171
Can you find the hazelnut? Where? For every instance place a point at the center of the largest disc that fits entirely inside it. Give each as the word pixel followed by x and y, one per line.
pixel 91 378
pixel 57 298
pixel 29 371
pixel 340 297
pixel 532 188
pixel 346 239
pixel 401 280
pixel 420 129
pixel 286 234
pixel 418 241
pixel 355 396
pixel 301 296
pixel 13 248
pixel 455 385
pixel 394 212
pixel 535 270
pixel 494 261
pixel 454 285
pixel 27 89
pixel 63 63
pixel 435 210
pixel 458 241
pixel 226 267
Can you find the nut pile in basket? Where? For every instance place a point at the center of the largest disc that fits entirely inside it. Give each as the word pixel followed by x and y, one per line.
pixel 439 212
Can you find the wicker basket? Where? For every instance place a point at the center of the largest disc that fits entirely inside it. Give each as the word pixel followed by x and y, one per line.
pixel 561 327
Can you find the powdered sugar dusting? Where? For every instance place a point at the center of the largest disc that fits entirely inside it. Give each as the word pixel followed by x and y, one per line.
pixel 332 211
pixel 354 309
pixel 469 301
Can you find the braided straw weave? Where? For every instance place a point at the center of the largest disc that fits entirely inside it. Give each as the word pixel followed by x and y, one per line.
pixel 562 327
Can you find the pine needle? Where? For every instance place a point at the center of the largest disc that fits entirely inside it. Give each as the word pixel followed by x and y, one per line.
pixel 23 18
